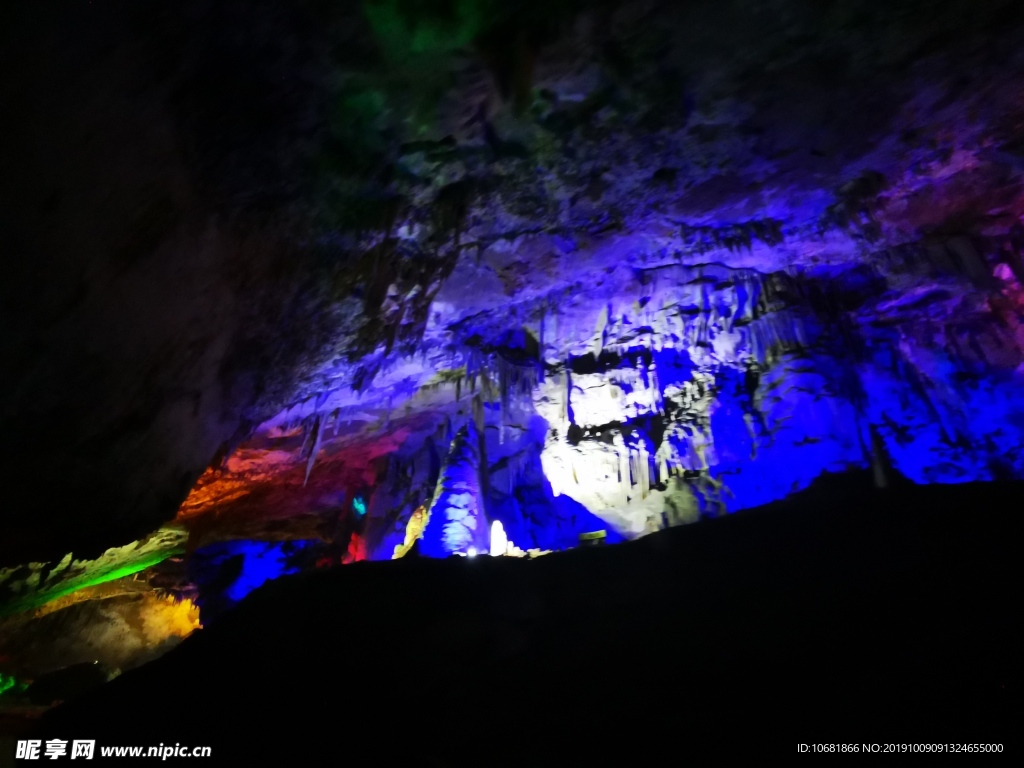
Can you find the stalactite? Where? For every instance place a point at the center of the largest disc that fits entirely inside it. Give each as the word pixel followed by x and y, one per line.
pixel 320 400
pixel 600 331
pixel 645 471
pixel 317 428
pixel 622 452
pixel 503 387
pixel 542 348
pixel 554 327
pixel 478 412
pixel 566 406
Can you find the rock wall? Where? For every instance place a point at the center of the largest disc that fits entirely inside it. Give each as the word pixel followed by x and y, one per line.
pixel 297 233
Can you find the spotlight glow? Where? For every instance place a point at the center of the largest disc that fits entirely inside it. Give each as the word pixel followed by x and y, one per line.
pixel 499 541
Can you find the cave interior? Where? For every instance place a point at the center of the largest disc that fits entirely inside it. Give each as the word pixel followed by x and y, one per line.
pixel 639 365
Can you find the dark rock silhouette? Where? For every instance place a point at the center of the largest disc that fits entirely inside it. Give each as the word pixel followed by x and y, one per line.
pixel 843 614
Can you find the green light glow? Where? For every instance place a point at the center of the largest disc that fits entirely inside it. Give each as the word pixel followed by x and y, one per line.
pixel 8 684
pixel 114 564
pixel 409 29
pixel 117 573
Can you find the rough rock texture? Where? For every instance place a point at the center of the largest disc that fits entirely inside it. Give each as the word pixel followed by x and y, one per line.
pixel 122 628
pixel 31 587
pixel 696 253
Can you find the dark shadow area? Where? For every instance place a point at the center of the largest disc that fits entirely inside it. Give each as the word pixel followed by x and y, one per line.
pixel 843 614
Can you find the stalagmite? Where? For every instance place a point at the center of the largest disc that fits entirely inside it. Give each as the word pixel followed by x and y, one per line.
pixel 499 541
pixel 457 521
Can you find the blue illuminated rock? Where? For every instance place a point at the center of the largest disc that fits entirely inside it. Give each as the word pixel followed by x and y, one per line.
pixel 457 523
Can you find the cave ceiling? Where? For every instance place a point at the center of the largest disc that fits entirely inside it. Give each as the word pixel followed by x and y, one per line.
pixel 668 260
